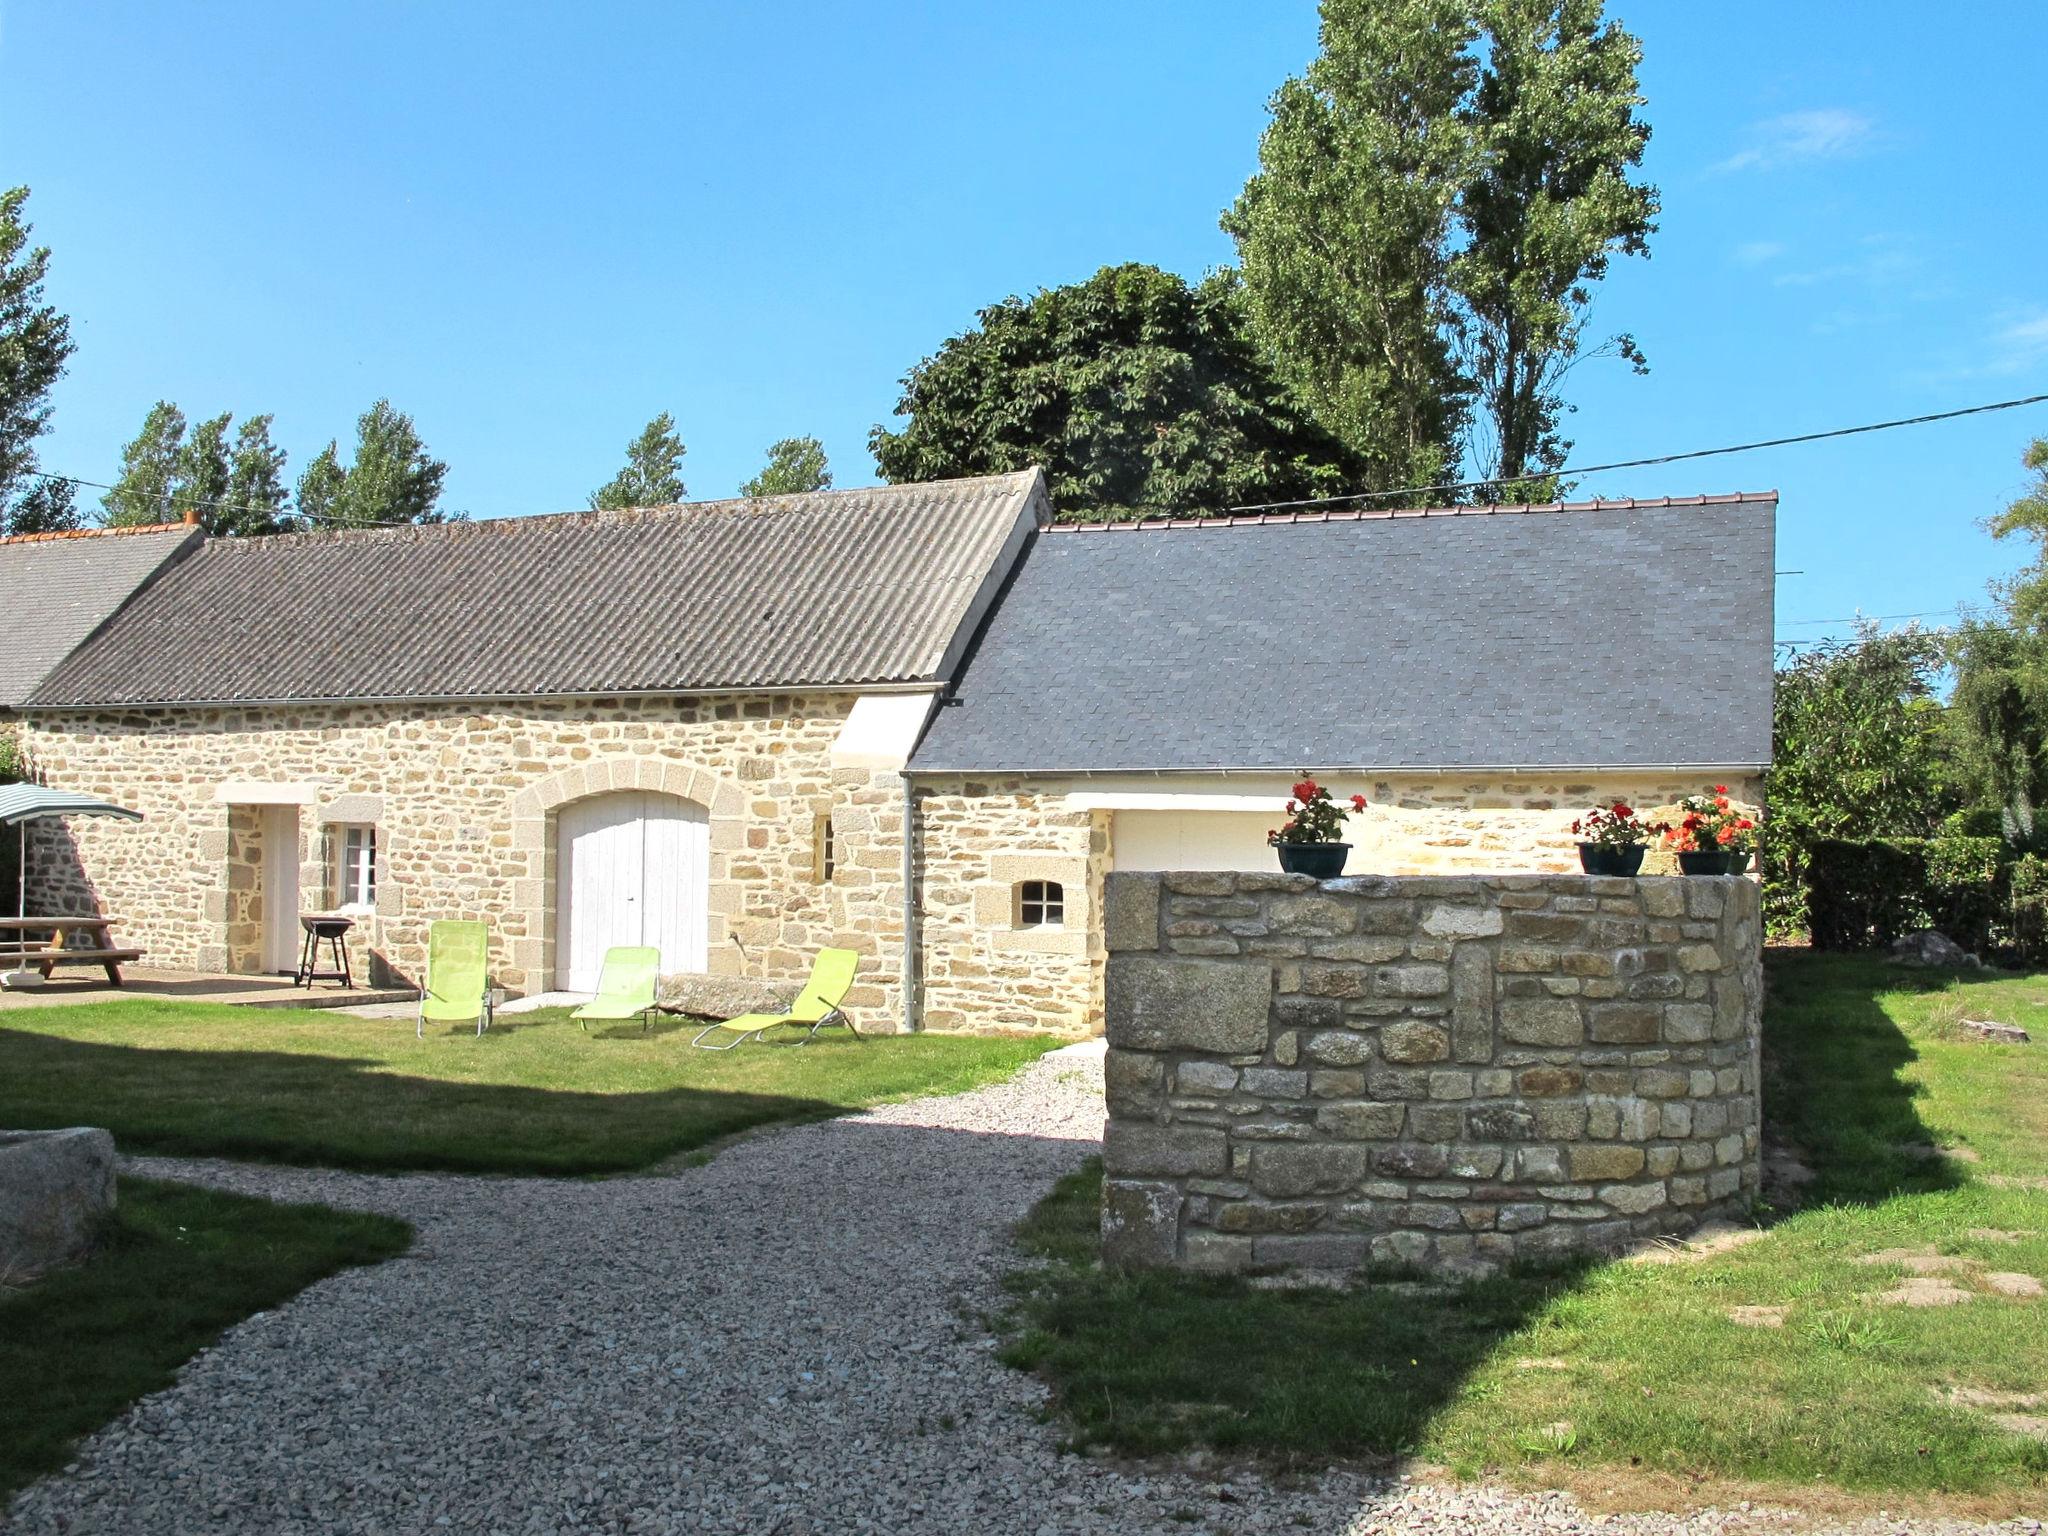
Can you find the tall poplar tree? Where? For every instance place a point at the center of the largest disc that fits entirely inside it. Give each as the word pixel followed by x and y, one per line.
pixel 145 489
pixel 392 479
pixel 35 344
pixel 795 465
pixel 653 475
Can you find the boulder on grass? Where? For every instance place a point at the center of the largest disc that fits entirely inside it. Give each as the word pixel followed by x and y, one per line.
pixel 721 997
pixel 56 1193
pixel 1926 947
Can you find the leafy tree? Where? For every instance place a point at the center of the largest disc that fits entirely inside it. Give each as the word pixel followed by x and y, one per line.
pixel 256 493
pixel 795 465
pixel 46 506
pixel 653 476
pixel 1135 392
pixel 1859 749
pixel 1548 202
pixel 35 344
pixel 1343 232
pixel 200 476
pixel 145 489
pixel 1434 198
pixel 393 478
pixel 2000 703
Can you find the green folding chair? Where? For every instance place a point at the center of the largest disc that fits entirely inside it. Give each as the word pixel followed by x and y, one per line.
pixel 625 986
pixel 817 1005
pixel 458 985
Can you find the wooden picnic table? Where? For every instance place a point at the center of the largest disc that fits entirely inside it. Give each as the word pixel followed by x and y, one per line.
pixel 44 943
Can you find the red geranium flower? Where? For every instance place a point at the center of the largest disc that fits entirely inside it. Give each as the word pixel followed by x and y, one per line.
pixel 1358 802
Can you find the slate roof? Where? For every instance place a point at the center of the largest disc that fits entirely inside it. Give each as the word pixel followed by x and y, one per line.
pixel 1596 634
pixel 884 585
pixel 57 588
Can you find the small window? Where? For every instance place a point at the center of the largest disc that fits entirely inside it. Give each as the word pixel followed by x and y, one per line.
pixel 355 871
pixel 824 848
pixel 1041 904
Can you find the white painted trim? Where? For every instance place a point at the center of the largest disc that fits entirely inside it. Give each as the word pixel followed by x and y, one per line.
pixel 253 792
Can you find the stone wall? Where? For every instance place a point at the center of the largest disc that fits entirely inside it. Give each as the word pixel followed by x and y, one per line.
pixel 981 971
pixel 464 800
pixel 1438 1072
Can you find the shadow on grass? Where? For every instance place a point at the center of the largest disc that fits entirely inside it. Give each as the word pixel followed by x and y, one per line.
pixel 1152 1362
pixel 367 1112
pixel 178 1267
pixel 1834 1088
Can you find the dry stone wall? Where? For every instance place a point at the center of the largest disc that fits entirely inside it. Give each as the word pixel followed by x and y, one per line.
pixel 1437 1072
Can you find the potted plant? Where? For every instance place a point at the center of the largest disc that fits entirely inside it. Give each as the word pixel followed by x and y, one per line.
pixel 1612 839
pixel 1712 836
pixel 1310 841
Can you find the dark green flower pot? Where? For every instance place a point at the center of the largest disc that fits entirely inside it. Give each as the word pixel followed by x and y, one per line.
pixel 1717 861
pixel 1325 861
pixel 1610 858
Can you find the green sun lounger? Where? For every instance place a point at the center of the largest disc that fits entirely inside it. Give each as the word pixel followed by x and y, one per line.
pixel 458 986
pixel 817 1005
pixel 625 986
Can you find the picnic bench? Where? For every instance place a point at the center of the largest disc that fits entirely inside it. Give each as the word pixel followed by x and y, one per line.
pixel 44 943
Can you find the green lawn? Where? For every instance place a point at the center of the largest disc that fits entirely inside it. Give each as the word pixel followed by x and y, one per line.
pixel 1636 1371
pixel 179 1266
pixel 536 1095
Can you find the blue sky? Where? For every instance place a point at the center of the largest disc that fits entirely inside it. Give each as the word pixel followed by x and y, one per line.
pixel 535 226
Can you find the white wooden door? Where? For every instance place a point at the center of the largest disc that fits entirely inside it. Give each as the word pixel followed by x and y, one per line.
pixel 631 868
pixel 281 933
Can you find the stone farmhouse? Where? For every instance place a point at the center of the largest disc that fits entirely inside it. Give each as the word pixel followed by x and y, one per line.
pixel 920 721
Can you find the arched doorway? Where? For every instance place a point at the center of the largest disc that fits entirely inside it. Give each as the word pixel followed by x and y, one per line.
pixel 631 868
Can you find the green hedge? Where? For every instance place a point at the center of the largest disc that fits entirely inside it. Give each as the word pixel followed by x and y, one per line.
pixel 1863 895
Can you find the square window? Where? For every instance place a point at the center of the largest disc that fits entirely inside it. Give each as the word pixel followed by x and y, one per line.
pixel 1041 904
pixel 355 865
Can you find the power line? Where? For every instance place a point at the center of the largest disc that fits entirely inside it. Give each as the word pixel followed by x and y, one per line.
pixel 1876 618
pixel 1662 458
pixel 168 499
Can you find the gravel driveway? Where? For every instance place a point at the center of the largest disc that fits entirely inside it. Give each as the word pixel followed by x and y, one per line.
pixel 781 1341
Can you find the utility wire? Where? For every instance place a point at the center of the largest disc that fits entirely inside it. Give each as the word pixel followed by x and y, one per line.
pixel 1281 506
pixel 170 500
pixel 1662 458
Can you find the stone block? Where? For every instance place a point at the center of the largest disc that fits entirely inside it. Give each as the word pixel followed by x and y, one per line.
pixel 1315 916
pixel 1662 1083
pixel 1158 1003
pixel 1688 1023
pixel 1541 1021
pixel 1362 1122
pixel 1633 1199
pixel 56 1195
pixel 1500 1122
pixel 1410 1042
pixel 1624 1023
pixel 1339 1048
pixel 1602 1160
pixel 1140 1224
pixel 1256 1216
pixel 1335 981
pixel 1448 1086
pixel 1287 1170
pixel 1293 1011
pixel 1471 1004
pixel 1448 922
pixel 1215 1253
pixel 1336 1084
pixel 1416 980
pixel 1560 1119
pixel 1273 1082
pixel 1411 1160
pixel 1201 1076
pixel 1314 1250
pixel 1521 1215
pixel 1699 957
pixel 1138 1149
pixel 1436 1122
pixel 1401 1249
pixel 1133 1082
pixel 1549 1082
pixel 1469 1162
pixel 1526 959
pixel 1363 949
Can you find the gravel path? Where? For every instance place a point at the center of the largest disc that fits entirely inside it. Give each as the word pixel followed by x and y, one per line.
pixel 781 1341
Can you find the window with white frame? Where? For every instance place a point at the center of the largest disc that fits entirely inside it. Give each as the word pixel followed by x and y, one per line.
pixel 355 865
pixel 1041 904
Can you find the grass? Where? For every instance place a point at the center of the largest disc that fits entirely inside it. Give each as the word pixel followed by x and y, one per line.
pixel 1627 1371
pixel 178 1267
pixel 536 1095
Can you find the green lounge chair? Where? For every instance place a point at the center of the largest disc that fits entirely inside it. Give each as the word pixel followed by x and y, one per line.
pixel 817 1005
pixel 624 987
pixel 458 976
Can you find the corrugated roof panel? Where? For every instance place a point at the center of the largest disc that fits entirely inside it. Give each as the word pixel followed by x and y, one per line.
pixel 832 588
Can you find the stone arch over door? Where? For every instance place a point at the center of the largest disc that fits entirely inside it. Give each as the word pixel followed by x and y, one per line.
pixel 534 811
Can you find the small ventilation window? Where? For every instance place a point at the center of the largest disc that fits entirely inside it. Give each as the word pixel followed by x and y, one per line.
pixel 1041 904
pixel 824 848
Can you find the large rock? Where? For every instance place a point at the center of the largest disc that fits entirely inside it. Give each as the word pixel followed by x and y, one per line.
pixel 721 997
pixel 56 1193
pixel 1926 947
